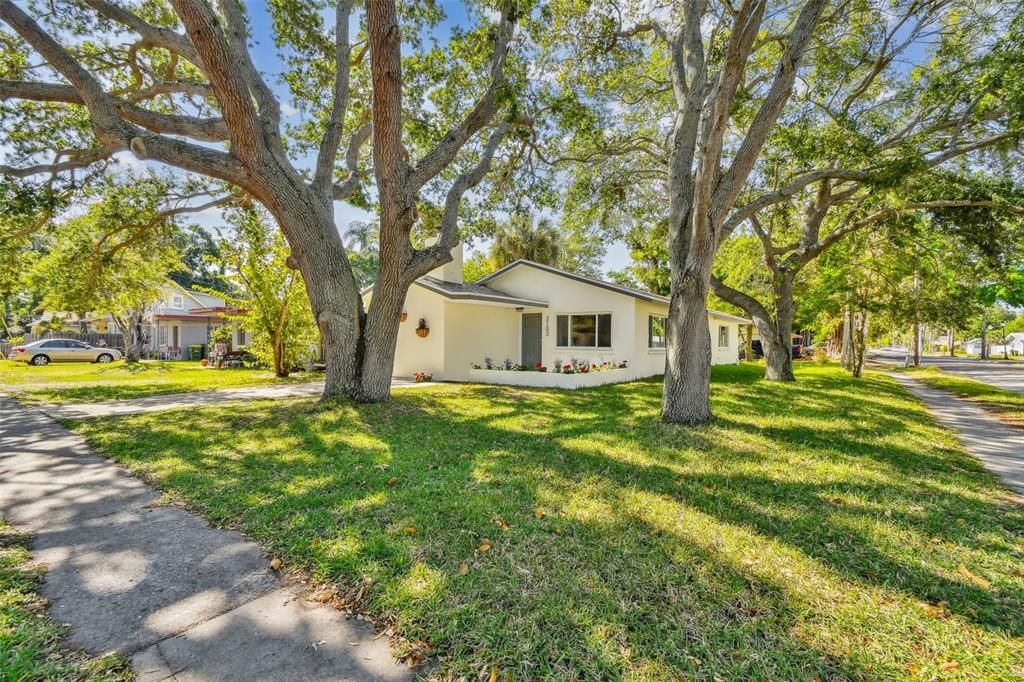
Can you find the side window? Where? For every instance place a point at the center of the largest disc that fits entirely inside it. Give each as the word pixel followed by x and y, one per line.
pixel 655 332
pixel 54 344
pixel 75 344
pixel 723 336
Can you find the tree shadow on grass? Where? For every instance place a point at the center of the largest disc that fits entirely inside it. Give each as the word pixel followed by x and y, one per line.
pixel 618 553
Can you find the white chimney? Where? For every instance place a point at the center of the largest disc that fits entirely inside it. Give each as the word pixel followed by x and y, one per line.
pixel 450 272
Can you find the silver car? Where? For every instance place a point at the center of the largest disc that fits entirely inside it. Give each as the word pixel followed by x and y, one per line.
pixel 61 350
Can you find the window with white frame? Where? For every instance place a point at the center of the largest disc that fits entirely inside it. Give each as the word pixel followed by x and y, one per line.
pixel 178 302
pixel 723 336
pixel 589 330
pixel 655 332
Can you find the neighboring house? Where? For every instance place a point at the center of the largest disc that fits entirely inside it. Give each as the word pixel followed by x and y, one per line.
pixel 178 318
pixel 183 317
pixel 529 313
pixel 1015 343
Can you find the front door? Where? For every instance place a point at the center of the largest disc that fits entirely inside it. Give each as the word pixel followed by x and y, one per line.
pixel 531 339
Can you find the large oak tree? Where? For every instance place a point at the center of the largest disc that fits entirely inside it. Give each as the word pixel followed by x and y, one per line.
pixel 177 84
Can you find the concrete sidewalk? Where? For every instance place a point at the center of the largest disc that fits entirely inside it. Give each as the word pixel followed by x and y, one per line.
pixel 175 401
pixel 999 446
pixel 182 600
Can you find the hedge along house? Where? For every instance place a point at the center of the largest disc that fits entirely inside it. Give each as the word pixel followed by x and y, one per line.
pixel 527 314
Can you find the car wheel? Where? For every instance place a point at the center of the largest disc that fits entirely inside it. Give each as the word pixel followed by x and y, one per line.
pixel 40 360
pixel 105 358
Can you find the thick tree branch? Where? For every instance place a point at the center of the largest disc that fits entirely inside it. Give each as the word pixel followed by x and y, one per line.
pixel 771 108
pixel 269 107
pixel 113 132
pixel 157 36
pixel 425 260
pixel 323 176
pixel 750 305
pixel 351 184
pixel 441 156
pixel 75 160
pixel 207 129
pixel 226 71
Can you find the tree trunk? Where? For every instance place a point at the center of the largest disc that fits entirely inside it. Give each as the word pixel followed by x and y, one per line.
pixel 686 397
pixel 318 253
pixel 280 370
pixel 952 353
pixel 859 337
pixel 382 322
pixel 917 344
pixel 775 330
pixel 131 334
pixel 778 355
pixel 846 360
pixel 984 340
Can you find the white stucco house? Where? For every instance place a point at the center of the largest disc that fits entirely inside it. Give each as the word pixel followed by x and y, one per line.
pixel 527 314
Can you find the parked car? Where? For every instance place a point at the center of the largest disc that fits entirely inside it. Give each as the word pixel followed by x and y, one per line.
pixel 61 350
pixel 797 350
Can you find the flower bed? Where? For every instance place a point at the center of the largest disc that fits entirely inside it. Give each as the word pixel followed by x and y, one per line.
pixel 550 379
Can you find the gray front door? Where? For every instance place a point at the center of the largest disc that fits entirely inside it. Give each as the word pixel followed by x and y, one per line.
pixel 531 339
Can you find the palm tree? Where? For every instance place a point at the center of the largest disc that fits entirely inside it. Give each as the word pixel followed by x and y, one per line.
pixel 521 240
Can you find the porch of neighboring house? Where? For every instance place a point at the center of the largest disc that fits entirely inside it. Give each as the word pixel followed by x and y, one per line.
pixel 171 336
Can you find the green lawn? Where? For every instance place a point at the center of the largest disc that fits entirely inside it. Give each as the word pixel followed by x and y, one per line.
pixel 30 643
pixel 1008 403
pixel 820 530
pixel 87 382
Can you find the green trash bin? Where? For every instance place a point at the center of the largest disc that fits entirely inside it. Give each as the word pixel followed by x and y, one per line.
pixel 196 351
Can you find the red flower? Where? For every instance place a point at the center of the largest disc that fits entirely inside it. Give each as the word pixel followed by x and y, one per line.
pixel 537 365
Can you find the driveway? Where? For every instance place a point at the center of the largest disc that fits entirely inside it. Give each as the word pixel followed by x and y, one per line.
pixel 175 401
pixel 1008 375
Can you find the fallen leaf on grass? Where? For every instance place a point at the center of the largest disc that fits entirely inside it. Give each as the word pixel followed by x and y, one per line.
pixel 485 546
pixel 409 530
pixel 276 563
pixel 494 674
pixel 949 665
pixel 463 568
pixel 976 579
pixel 539 513
pixel 501 523
pixel 392 481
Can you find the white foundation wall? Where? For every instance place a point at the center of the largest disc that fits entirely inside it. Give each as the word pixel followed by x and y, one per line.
pixel 474 331
pixel 415 354
pixel 566 296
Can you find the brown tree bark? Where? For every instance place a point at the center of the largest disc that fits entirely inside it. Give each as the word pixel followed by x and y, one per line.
pixel 703 189
pixel 775 327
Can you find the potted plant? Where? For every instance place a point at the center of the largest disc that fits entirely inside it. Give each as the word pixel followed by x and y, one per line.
pixel 403 317
pixel 422 329
pixel 420 377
